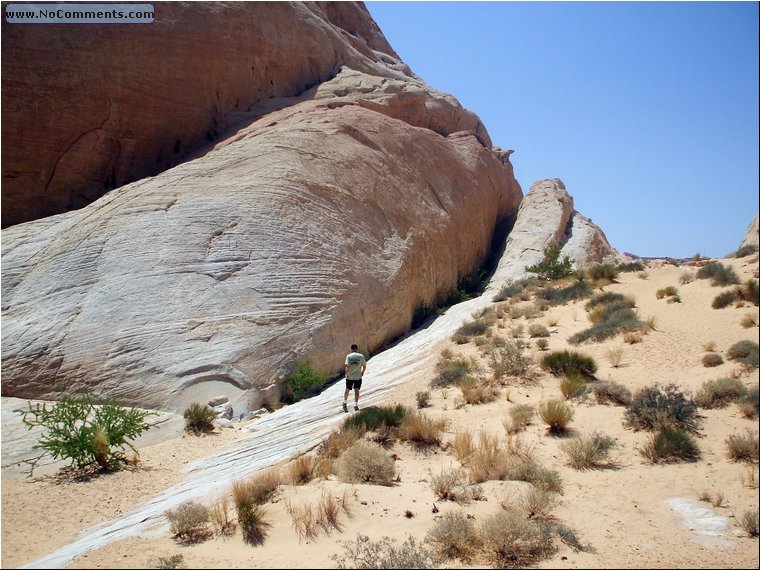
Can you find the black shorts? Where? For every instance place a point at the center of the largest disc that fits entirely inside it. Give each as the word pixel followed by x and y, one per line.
pixel 353 384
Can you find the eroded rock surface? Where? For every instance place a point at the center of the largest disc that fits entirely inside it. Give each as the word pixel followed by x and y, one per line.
pixel 751 237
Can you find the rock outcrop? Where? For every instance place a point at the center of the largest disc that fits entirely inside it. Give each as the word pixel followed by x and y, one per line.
pixel 322 222
pixel 751 237
pixel 113 104
pixel 547 218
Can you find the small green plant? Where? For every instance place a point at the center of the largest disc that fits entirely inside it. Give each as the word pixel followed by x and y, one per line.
pixel 374 418
pixel 304 381
pixel 189 522
pixel 719 393
pixel 586 452
pixel 712 359
pixel 551 267
pixel 567 361
pixel 364 553
pixel 423 399
pixel 199 418
pixel 556 414
pixel 670 445
pixel 87 434
pixel 657 407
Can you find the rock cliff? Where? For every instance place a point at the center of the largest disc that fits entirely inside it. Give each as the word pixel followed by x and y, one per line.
pixel 342 192
pixel 547 218
pixel 751 236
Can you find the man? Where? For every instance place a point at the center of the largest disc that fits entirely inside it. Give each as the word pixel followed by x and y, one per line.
pixel 355 367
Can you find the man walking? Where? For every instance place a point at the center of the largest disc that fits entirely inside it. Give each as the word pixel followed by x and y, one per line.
pixel 355 367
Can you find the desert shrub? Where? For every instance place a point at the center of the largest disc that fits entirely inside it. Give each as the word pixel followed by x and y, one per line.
pixel 514 289
pixel 537 331
pixel 364 554
pixel 568 362
pixel 749 404
pixel 468 330
pixel 199 418
pixel 750 522
pixel 451 485
pixel 521 416
pixel 373 418
pixel 450 370
pixel 556 414
pixel 339 441
pixel 365 463
pixel 710 346
pixel 629 267
pixel 572 385
pixel 423 399
pixel 189 522
pixel 719 274
pixel 256 490
pixel 509 360
pixel 87 434
pixel 540 477
pixel 560 296
pixel 608 298
pixel 749 321
pixel 748 291
pixel 168 562
pixel 712 359
pixel 585 452
pixel 724 299
pixel 744 251
pixel 686 278
pixel 454 536
pixel 422 312
pixel 668 291
pixel 610 392
pixel 605 271
pixel 615 356
pixel 301 470
pixel 656 407
pixel 303 382
pixel 674 299
pixel 221 517
pixel 745 352
pixel 463 446
pixel 633 337
pixel 475 391
pixel 670 444
pixel 421 430
pixel 551 267
pixel 719 393
pixel 511 540
pixel 488 461
pixel 610 313
pixel 743 447
pixel 542 344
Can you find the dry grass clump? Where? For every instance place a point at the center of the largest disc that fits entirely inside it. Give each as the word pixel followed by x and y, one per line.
pixel 520 417
pixel 750 478
pixel 309 520
pixel 670 445
pixel 366 463
pixel 586 452
pixel 668 291
pixel 454 536
pixel 615 356
pixel 476 391
pixel 686 278
pixel 710 346
pixel 538 331
pixel 749 404
pixel 750 522
pixel 420 430
pixel 339 441
pixel 743 447
pixel 719 393
pixel 489 461
pixel 301 470
pixel 749 321
pixel 423 399
pixel 463 447
pixel 220 515
pixel 611 392
pixel 655 407
pixel 249 496
pixel 633 337
pixel 451 485
pixel 712 359
pixel 573 385
pixel 542 344
pixel 510 361
pixel 451 369
pixel 510 540
pixel 471 329
pixel 364 553
pixel 556 414
pixel 189 522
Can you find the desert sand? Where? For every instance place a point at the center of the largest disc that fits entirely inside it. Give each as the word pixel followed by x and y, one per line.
pixel 632 514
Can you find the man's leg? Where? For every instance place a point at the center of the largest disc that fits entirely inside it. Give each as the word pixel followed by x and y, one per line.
pixel 356 399
pixel 345 399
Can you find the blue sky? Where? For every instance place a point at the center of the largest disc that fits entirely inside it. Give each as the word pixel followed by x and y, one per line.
pixel 647 111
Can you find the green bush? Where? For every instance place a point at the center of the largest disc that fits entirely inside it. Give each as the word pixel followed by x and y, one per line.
pixel 670 444
pixel 719 274
pixel 611 314
pixel 305 382
pixel 574 292
pixel 608 298
pixel 744 352
pixel 199 418
pixel 657 407
pixel 603 271
pixel 551 267
pixel 87 434
pixel 513 289
pixel 374 418
pixel 469 330
pixel 566 362
pixel 719 393
pixel 422 313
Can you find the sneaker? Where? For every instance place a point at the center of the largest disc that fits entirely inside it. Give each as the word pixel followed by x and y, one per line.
pixel 345 407
pixel 356 408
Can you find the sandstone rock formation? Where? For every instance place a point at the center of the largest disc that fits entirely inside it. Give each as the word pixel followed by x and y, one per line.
pixel 547 218
pixel 751 237
pixel 324 221
pixel 113 104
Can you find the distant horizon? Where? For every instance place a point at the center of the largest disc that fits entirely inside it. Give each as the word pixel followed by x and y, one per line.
pixel 647 111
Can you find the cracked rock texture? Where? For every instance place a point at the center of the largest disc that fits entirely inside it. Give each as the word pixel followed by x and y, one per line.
pixel 547 218
pixel 324 216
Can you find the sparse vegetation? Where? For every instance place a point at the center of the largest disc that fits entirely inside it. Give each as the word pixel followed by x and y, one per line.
pixel 743 447
pixel 423 399
pixel 451 485
pixel 537 331
pixel 719 393
pixel 568 362
pixel 364 554
pixel 420 430
pixel 615 356
pixel 366 463
pixel 87 434
pixel 719 274
pixel 712 359
pixel 749 321
pixel 520 417
pixel 509 361
pixel 373 418
pixel 168 562
pixel 668 291
pixel 610 314
pixel 451 370
pixel 611 393
pixel 744 251
pixel 744 352
pixel 603 272
pixel 189 522
pixel 586 452
pixel 751 522
pixel 670 445
pixel 656 407
pixel 511 540
pixel 199 418
pixel 749 404
pixel 476 391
